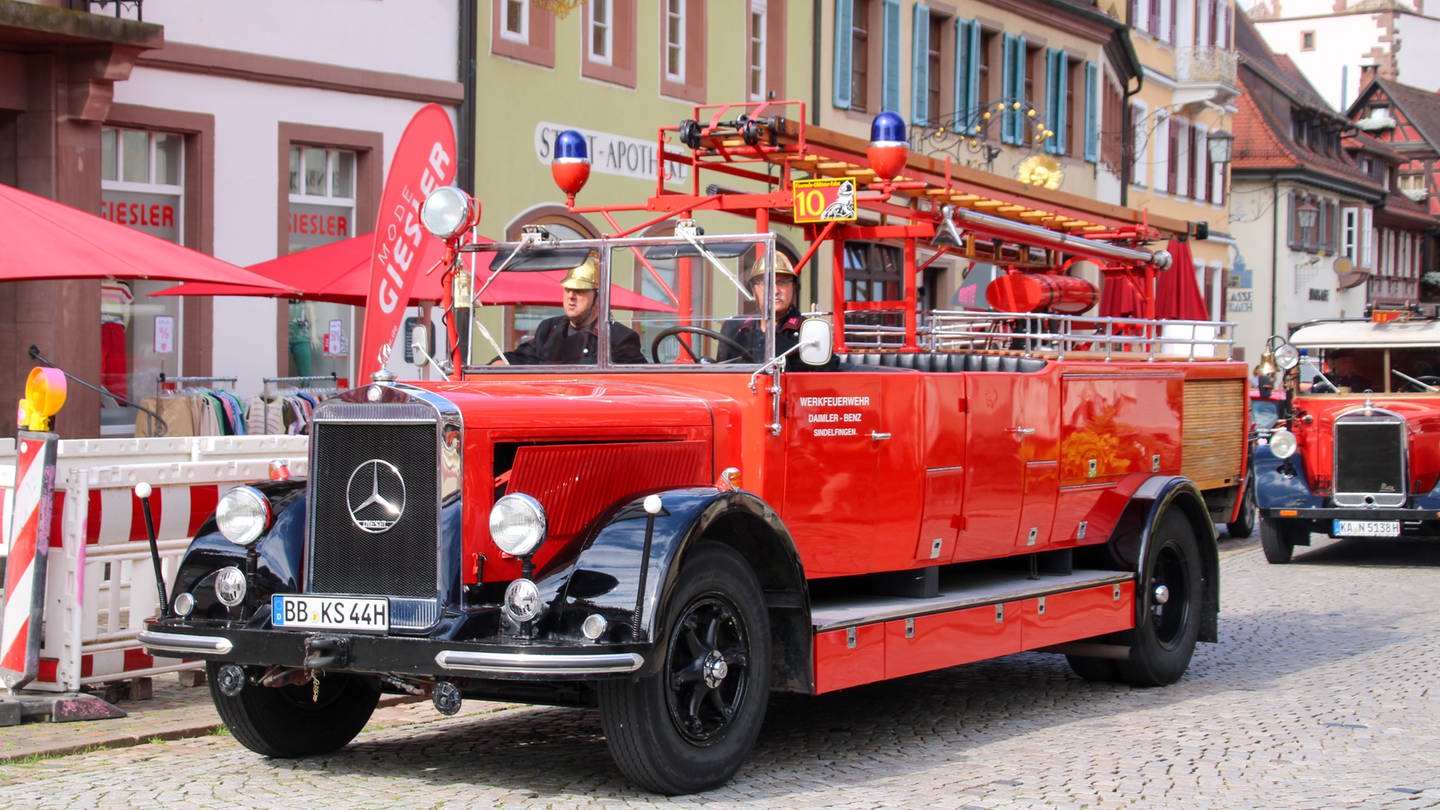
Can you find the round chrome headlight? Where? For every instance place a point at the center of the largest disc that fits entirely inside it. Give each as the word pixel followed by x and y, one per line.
pixel 449 211
pixel 230 586
pixel 1282 443
pixel 242 515
pixel 517 524
pixel 522 600
pixel 1287 357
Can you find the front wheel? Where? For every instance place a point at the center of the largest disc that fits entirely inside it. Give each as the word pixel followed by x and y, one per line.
pixel 295 721
pixel 1171 596
pixel 688 726
pixel 1244 524
pixel 1278 539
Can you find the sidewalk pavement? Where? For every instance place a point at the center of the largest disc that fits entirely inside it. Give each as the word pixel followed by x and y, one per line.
pixel 171 713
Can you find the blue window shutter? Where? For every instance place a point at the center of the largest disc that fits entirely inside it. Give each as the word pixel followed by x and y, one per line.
pixel 1019 115
pixel 1053 59
pixel 890 79
pixel 920 67
pixel 1060 123
pixel 967 73
pixel 1009 82
pixel 844 21
pixel 1092 112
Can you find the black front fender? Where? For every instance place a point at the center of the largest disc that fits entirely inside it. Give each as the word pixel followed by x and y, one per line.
pixel 612 569
pixel 278 552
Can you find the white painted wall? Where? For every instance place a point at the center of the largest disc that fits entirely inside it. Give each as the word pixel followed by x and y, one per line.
pixel 1345 42
pixel 413 37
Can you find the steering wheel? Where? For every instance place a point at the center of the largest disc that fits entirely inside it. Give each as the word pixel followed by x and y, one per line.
pixel 1411 387
pixel 744 354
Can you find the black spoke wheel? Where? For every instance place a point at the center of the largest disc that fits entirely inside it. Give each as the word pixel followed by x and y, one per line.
pixel 1278 539
pixel 1170 593
pixel 292 721
pixel 689 725
pixel 743 354
pixel 1244 524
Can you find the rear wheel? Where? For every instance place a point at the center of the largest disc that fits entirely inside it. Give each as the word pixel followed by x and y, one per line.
pixel 294 721
pixel 690 725
pixel 1244 524
pixel 1171 596
pixel 1278 538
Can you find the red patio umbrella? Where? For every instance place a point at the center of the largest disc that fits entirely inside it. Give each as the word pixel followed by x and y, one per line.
pixel 1177 296
pixel 340 273
pixel 1122 296
pixel 44 239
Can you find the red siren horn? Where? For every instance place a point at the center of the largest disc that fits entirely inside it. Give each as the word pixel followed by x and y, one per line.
pixel 889 148
pixel 571 166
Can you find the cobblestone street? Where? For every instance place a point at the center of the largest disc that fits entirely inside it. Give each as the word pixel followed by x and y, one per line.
pixel 1322 694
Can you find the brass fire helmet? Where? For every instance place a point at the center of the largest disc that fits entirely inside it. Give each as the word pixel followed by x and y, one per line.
pixel 783 267
pixel 583 276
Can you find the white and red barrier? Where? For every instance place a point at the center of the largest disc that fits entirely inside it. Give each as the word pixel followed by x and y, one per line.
pixel 100 584
pixel 21 616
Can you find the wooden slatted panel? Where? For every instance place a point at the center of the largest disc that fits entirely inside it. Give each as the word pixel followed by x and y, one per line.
pixel 1213 431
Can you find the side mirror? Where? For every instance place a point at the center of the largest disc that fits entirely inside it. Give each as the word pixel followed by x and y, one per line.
pixel 817 342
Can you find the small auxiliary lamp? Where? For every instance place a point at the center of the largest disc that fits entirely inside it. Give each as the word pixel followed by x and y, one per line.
pixel 571 164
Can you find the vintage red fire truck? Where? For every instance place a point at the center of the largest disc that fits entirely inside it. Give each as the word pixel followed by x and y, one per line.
pixel 673 540
pixel 1356 450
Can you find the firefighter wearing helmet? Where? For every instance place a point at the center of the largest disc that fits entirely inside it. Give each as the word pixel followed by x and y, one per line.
pixel 749 331
pixel 572 338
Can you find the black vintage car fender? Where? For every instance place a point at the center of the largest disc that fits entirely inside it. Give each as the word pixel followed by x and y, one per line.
pixel 611 569
pixel 279 552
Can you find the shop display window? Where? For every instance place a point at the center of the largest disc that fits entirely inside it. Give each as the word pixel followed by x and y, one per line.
pixel 142 187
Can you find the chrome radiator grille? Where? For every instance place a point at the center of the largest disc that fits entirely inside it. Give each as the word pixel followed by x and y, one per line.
pixel 374 506
pixel 1370 460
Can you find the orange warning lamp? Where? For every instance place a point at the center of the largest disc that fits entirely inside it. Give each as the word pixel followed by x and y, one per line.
pixel 44 396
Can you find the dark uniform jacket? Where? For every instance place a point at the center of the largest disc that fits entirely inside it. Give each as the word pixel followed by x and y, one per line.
pixel 746 331
pixel 557 342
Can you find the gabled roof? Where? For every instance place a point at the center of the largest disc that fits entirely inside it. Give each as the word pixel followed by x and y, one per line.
pixel 1263 123
pixel 1420 108
pixel 1277 70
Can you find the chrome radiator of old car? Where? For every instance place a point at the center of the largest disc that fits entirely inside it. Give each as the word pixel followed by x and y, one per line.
pixel 1370 459
pixel 374 506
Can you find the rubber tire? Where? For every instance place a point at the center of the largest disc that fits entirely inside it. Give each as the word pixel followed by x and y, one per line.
pixel 1245 526
pixel 640 715
pixel 1277 539
pixel 284 722
pixel 1164 637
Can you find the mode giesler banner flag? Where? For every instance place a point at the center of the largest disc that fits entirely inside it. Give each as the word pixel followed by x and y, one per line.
pixel 424 160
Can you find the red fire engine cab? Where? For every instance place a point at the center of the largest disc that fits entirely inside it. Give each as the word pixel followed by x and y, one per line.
pixel 676 523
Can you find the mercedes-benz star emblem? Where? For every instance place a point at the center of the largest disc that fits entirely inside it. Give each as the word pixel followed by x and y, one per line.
pixel 375 496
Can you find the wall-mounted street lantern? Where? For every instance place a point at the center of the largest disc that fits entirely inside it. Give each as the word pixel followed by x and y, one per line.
pixel 1305 213
pixel 1222 146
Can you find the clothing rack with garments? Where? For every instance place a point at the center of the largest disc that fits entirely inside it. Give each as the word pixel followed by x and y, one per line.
pixel 285 404
pixel 193 405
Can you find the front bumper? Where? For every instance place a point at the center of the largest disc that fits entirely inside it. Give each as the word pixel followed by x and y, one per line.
pixel 391 654
pixel 1413 522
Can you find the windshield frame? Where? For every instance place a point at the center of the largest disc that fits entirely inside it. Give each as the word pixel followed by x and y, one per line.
pixel 606 247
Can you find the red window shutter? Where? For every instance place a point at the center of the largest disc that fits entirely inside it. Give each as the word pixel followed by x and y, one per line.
pixel 1172 165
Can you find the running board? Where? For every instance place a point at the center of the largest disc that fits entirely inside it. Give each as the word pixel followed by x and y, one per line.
pixel 978 591
pixel 975 616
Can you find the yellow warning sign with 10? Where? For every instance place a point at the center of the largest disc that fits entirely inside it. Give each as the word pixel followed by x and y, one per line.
pixel 825 199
